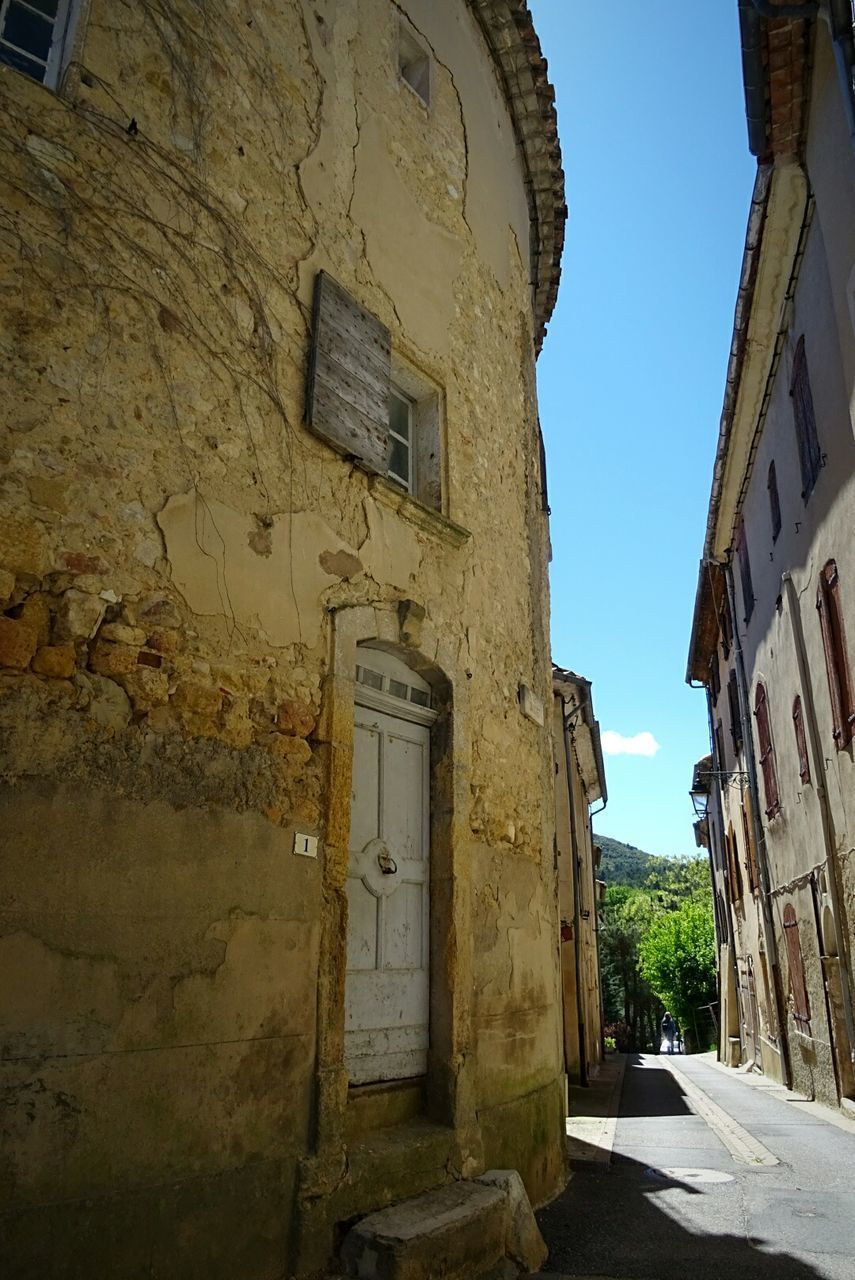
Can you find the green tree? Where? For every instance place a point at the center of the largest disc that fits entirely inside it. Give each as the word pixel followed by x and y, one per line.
pixel 677 959
pixel 674 880
pixel 627 916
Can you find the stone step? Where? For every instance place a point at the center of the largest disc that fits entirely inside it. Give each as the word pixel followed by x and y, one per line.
pixel 463 1231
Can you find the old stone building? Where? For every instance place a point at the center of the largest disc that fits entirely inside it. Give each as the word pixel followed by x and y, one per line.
pixel 279 905
pixel 775 608
pixel 580 783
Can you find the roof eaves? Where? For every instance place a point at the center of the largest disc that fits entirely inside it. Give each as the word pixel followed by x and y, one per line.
pixel 522 70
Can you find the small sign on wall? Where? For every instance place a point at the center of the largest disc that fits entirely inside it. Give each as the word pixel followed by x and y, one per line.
pixel 531 705
pixel 305 846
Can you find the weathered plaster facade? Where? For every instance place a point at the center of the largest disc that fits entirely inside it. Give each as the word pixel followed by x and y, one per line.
pixel 791 894
pixel 580 783
pixel 186 575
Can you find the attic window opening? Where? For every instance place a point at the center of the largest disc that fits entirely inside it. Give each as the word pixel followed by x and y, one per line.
pixel 414 64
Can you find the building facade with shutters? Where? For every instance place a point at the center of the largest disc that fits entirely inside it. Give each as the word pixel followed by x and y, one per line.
pixel 774 623
pixel 279 902
pixel 580 783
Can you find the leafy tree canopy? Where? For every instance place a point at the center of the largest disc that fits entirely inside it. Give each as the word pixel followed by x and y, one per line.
pixel 677 958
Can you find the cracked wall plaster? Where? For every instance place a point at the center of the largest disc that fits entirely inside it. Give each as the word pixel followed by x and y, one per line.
pixel 217 570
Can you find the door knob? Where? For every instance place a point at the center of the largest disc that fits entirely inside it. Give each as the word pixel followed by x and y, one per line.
pixel 386 862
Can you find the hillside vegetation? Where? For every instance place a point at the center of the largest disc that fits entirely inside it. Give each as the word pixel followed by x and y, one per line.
pixel 656 943
pixel 622 863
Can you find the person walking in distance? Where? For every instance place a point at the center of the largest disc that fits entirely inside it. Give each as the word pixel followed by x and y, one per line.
pixel 669 1030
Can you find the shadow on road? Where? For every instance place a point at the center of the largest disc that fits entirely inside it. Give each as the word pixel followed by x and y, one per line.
pixel 650 1090
pixel 631 1222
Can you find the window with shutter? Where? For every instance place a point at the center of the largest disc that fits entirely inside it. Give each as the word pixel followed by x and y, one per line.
pixel 35 36
pixel 734 870
pixel 349 376
pixel 804 419
pixel 745 573
pixel 801 741
pixel 725 628
pixel 367 402
pixel 830 608
pixel 719 747
pixel 733 704
pixel 767 753
pixel 714 678
pixel 750 846
pixel 801 1004
pixel 774 501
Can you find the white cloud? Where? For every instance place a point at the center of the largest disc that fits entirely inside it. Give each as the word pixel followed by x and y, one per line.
pixel 640 744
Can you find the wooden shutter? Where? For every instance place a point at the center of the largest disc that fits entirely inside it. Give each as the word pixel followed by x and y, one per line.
pixel 801 742
pixel 733 867
pixel 750 846
pixel 735 718
pixel 797 968
pixel 714 677
pixel 774 500
pixel 767 754
pixel 805 420
pixel 347 401
pixel 836 659
pixel 745 574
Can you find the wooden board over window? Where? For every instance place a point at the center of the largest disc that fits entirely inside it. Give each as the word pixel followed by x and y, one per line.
pixel 349 376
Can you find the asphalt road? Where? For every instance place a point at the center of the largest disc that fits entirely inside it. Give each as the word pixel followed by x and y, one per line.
pixel 675 1201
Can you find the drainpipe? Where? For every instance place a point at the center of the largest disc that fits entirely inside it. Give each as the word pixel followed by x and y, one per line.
pixel 828 831
pixel 577 941
pixel 759 834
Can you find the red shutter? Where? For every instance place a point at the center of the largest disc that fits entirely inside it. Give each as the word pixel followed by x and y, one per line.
pixel 801 744
pixel 797 968
pixel 836 659
pixel 767 754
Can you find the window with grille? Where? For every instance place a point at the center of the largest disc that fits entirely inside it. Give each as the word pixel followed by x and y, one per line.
pixel 774 501
pixel 34 36
pixel 801 741
pixel 810 458
pixel 801 1004
pixel 745 573
pixel 830 608
pixel 767 753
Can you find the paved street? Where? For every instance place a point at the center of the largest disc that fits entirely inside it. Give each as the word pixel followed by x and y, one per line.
pixel 712 1173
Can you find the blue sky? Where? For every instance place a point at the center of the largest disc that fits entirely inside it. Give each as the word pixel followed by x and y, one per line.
pixel 652 125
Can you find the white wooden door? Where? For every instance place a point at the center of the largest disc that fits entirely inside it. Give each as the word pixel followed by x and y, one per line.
pixel 388 891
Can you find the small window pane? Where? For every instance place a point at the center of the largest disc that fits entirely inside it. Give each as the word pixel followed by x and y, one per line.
pixel 373 679
pixel 47 7
pixel 397 689
pixel 399 463
pixel 420 697
pixel 28 31
pixel 399 416
pixel 11 58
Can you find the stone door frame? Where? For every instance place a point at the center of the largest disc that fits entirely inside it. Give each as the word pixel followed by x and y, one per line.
pixel 401 628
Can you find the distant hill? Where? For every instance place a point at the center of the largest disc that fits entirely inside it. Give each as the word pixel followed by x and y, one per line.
pixel 622 863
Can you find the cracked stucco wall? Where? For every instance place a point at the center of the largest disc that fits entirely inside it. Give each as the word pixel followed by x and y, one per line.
pixel 173 544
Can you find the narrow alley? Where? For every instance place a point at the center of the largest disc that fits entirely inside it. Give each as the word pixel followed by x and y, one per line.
pixel 682 1169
